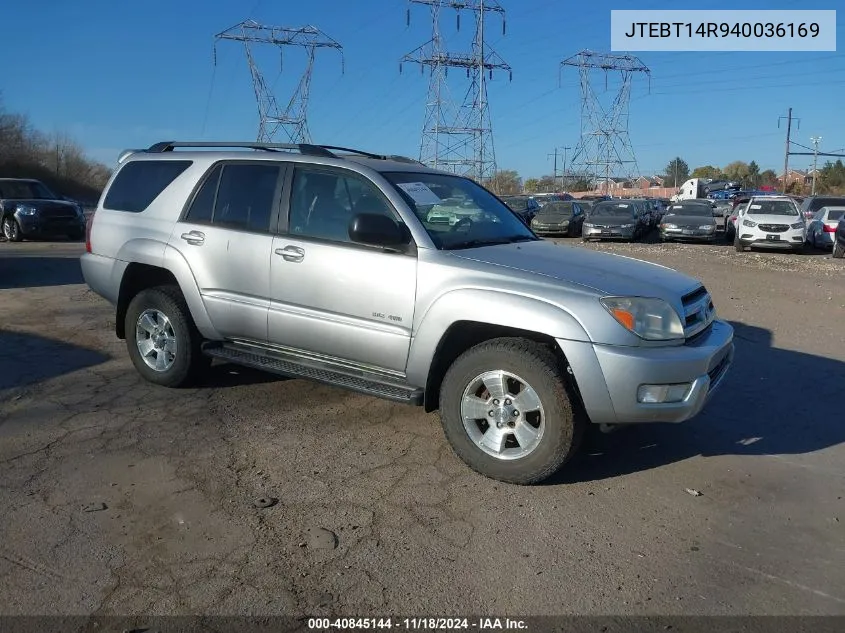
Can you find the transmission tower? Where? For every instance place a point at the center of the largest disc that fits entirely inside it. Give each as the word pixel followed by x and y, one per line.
pixel 272 119
pixel 458 136
pixel 604 149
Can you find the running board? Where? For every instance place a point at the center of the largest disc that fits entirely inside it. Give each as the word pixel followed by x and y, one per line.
pixel 362 381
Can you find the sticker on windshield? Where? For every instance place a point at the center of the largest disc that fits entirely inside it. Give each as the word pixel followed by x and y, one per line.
pixel 622 206
pixel 756 206
pixel 419 192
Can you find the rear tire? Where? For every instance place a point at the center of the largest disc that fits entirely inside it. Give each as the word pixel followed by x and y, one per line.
pixel 738 245
pixel 838 248
pixel 161 338
pixel 534 385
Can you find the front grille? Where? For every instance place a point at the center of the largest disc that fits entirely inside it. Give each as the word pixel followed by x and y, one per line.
pixel 699 311
pixel 56 212
pixel 718 371
pixel 773 228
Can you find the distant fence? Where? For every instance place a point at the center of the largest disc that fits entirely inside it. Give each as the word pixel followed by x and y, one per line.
pixel 654 192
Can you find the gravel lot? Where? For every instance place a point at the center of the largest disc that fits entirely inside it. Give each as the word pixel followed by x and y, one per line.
pixel 123 498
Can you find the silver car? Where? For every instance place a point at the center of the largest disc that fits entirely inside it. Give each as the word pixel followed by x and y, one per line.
pixel 326 264
pixel 822 227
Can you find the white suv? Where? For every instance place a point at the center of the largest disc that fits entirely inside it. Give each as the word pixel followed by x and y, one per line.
pixel 770 222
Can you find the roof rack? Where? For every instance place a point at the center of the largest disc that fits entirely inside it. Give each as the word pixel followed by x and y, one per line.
pixel 308 149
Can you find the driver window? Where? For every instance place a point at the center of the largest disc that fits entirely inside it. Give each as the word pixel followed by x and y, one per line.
pixel 324 202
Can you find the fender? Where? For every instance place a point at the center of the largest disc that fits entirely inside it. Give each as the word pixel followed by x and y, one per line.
pixel 524 313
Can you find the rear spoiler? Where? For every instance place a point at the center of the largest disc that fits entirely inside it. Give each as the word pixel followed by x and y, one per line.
pixel 127 153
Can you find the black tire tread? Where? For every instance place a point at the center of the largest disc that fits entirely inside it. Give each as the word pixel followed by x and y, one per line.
pixel 838 250
pixel 176 308
pixel 554 379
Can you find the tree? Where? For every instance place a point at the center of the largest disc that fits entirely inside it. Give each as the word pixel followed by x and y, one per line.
pixel 737 170
pixel 769 178
pixel 546 184
pixel 505 182
pixel 753 173
pixel 707 171
pixel 677 171
pixel 532 185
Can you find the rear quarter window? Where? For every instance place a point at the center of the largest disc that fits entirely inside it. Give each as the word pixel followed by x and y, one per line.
pixel 140 182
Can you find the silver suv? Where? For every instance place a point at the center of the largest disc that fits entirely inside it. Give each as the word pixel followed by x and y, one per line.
pixel 325 263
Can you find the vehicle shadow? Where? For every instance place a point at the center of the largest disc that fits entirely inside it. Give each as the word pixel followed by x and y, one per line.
pixel 34 271
pixel 222 374
pixel 771 403
pixel 29 358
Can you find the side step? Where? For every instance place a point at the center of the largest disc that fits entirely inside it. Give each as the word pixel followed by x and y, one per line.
pixel 361 381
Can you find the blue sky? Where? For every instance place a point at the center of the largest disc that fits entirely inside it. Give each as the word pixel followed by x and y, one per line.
pixel 120 74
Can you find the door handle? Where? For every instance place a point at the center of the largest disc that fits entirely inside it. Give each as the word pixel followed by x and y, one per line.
pixel 291 253
pixel 196 238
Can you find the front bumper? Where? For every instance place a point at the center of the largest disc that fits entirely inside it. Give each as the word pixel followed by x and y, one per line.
pixel 696 235
pixel 32 225
pixel 614 233
pixel 608 377
pixel 792 239
pixel 550 229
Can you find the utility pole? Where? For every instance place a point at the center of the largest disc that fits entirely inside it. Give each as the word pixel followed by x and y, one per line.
pixel 564 166
pixel 789 120
pixel 555 167
pixel 816 140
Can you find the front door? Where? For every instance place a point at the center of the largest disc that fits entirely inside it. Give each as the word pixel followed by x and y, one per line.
pixel 330 296
pixel 225 237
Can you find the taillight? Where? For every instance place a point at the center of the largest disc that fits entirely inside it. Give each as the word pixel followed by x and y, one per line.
pixel 829 229
pixel 88 224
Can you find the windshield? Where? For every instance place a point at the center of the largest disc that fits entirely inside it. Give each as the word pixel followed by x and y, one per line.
pixel 458 213
pixel 25 190
pixel 697 210
pixel 555 209
pixel 772 207
pixel 613 210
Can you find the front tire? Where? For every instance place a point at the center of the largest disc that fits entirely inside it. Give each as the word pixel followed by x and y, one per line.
pixel 11 229
pixel 161 337
pixel 738 245
pixel 507 412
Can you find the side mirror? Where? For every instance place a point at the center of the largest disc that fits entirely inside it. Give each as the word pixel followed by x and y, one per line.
pixel 377 230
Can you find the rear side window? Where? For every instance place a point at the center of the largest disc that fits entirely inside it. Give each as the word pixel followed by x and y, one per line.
pixel 140 182
pixel 237 196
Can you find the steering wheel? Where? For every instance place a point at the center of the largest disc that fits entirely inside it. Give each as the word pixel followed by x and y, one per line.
pixel 464 220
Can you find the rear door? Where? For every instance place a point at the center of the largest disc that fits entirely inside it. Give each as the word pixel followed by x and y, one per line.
pixel 225 235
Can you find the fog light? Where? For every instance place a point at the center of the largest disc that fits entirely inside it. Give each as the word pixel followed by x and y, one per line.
pixel 662 394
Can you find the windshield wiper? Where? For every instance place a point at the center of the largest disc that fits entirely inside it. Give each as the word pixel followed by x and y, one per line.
pixel 490 242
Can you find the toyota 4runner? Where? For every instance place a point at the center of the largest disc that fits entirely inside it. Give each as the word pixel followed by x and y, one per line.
pixel 324 263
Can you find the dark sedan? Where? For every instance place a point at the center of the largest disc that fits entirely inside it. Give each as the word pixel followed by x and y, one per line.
pixel 29 209
pixel 839 240
pixel 559 218
pixel 524 206
pixel 688 220
pixel 614 220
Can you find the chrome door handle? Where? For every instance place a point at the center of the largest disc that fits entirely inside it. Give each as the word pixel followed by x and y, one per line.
pixel 291 253
pixel 197 238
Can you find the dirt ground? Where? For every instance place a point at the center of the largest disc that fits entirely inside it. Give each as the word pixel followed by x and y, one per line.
pixel 119 497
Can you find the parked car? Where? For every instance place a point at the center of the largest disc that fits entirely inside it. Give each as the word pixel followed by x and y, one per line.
pixel 730 223
pixel 839 239
pixel 770 222
pixel 320 263
pixel 813 203
pixel 29 209
pixel 559 218
pixel 821 229
pixel 689 220
pixel 524 206
pixel 611 219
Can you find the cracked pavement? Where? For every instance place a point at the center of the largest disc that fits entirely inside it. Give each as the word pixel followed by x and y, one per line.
pixel 122 498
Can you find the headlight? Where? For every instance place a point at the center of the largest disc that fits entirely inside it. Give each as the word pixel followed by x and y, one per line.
pixel 565 223
pixel 707 227
pixel 80 211
pixel 587 225
pixel 627 226
pixel 797 225
pixel 668 226
pixel 748 223
pixel 25 209
pixel 650 319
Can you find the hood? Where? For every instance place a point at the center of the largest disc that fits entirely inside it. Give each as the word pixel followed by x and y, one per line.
pixel 40 203
pixel 557 216
pixel 773 219
pixel 605 273
pixel 612 220
pixel 688 220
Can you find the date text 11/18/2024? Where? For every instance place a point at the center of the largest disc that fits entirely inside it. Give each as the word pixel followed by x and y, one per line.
pixel 416 624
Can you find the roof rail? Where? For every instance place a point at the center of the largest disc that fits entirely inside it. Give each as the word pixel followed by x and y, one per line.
pixel 304 148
